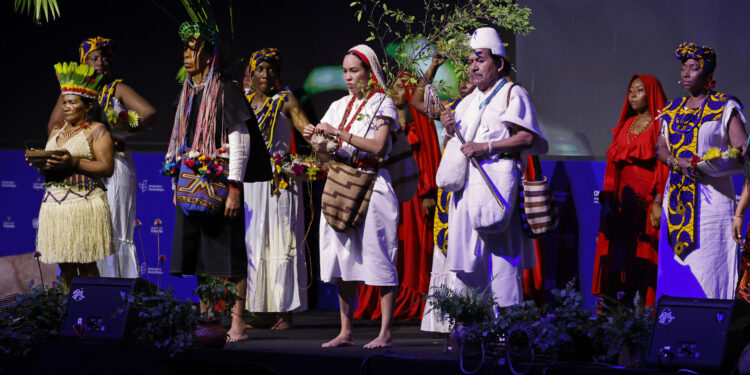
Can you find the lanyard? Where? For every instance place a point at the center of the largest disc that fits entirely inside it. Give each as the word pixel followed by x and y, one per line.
pixel 492 94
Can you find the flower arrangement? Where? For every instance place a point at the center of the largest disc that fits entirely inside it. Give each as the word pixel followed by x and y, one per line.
pixel 128 117
pixel 718 161
pixel 715 153
pixel 218 293
pixel 202 164
pixel 299 167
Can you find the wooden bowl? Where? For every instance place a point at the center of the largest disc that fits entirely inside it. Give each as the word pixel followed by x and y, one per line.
pixel 38 158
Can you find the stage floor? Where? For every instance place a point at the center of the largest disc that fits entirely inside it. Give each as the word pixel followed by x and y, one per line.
pixel 293 351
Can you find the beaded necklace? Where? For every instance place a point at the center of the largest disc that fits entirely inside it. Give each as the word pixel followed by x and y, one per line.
pixel 349 109
pixel 633 133
pixel 70 134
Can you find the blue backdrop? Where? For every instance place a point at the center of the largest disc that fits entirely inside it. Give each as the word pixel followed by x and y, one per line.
pixel 568 253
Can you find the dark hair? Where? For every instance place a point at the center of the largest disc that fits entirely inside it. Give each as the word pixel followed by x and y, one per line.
pixel 96 113
pixel 364 65
pixel 507 66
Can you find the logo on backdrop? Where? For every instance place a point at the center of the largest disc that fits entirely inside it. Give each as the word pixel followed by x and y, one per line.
pixel 38 184
pixel 144 187
pixel 666 316
pixel 596 196
pixel 9 224
pixel 78 295
pixel 8 184
pixel 35 223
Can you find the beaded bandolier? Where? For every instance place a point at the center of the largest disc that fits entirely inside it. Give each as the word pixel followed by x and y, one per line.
pixel 107 95
pixel 268 114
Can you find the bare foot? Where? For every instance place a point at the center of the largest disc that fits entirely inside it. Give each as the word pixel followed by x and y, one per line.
pixel 339 341
pixel 381 341
pixel 236 335
pixel 285 322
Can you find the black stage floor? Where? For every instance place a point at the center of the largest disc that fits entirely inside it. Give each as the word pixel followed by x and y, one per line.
pixel 293 351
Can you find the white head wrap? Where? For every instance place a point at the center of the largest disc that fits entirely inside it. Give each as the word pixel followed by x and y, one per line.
pixel 371 60
pixel 487 37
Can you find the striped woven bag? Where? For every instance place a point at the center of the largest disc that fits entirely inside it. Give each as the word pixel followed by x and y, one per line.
pixel 346 196
pixel 538 208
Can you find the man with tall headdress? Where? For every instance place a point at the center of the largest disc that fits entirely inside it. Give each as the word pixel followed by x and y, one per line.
pixel 499 124
pixel 212 118
pixel 275 236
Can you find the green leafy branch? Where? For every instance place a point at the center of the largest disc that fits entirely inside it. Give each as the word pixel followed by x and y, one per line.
pixel 445 24
pixel 49 7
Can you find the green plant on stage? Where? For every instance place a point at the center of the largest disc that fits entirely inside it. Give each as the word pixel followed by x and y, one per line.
pixel 524 312
pixel 619 325
pixel 473 308
pixel 163 321
pixel 219 294
pixel 34 316
pixel 444 24
pixel 566 330
pixel 562 331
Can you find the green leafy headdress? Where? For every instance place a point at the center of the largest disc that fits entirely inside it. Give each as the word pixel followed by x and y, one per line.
pixel 196 29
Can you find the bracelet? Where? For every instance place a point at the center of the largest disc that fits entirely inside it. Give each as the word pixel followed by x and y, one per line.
pixel 489 148
pixel 736 217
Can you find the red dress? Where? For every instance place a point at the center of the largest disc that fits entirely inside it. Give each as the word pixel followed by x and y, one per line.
pixel 626 252
pixel 533 278
pixel 415 244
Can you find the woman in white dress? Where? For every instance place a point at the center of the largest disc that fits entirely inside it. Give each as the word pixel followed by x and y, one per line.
pixel 275 238
pixel 362 121
pixel 697 255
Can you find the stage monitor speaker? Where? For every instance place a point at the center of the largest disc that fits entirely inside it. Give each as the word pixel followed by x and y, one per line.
pixel 694 333
pixel 93 303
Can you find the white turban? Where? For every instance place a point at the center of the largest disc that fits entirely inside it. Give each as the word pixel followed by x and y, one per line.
pixel 487 37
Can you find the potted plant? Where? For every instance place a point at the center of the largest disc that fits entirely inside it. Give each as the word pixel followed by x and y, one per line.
pixel 623 331
pixel 163 321
pixel 34 316
pixel 219 296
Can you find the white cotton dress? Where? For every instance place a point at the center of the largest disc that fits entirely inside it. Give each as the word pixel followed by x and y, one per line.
pixel 440 276
pixel 367 254
pixel 711 270
pixel 276 271
pixel 122 188
pixel 498 259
